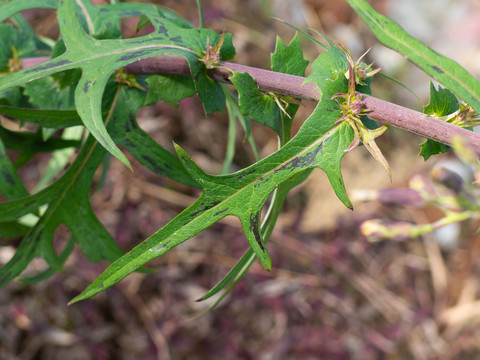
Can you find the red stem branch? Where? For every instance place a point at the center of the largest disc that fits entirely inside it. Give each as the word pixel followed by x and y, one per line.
pixel 284 84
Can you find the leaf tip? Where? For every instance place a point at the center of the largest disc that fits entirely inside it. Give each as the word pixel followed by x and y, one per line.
pixel 178 149
pixel 267 263
pixel 82 296
pixel 73 301
pixel 121 156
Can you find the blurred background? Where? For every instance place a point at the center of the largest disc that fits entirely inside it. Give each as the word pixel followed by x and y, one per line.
pixel 332 294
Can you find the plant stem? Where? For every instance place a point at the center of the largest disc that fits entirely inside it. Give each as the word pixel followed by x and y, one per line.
pixel 201 19
pixel 295 86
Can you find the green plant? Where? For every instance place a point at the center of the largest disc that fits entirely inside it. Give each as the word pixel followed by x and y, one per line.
pixel 89 80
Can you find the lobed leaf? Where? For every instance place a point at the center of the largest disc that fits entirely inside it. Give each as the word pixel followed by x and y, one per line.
pixel 261 107
pixel 288 59
pixel 268 109
pixel 243 194
pixel 66 202
pixel 242 266
pixel 171 89
pixel 320 143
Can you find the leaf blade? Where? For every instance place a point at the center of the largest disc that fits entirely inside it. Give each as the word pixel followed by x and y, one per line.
pixel 243 193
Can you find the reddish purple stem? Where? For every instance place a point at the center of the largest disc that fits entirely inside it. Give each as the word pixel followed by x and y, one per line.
pixel 284 84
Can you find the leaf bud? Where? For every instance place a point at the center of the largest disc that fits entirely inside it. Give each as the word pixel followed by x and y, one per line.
pixel 397 197
pixel 378 229
pixel 448 178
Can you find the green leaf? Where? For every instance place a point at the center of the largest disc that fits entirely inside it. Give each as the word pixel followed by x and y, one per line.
pixel 10 8
pixel 148 152
pixel 98 59
pixel 11 97
pixel 46 93
pixel 328 67
pixel 11 185
pixel 51 271
pixel 242 266
pixel 261 107
pixel 33 142
pixel 56 119
pixel 267 109
pixel 67 202
pixel 446 71
pixel 209 91
pixel 171 89
pixel 242 194
pixel 67 198
pixel 13 229
pixel 289 59
pixel 442 102
pixel 430 147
